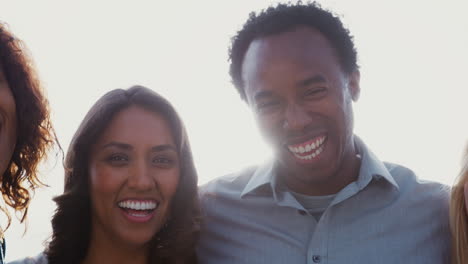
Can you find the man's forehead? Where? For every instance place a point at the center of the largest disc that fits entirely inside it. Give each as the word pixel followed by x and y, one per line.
pixel 297 46
pixel 294 39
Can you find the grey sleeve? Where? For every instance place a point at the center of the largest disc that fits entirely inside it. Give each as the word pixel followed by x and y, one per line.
pixel 39 259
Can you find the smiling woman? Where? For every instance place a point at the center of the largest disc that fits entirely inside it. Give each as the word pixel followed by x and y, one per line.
pixel 26 132
pixel 130 186
pixel 133 178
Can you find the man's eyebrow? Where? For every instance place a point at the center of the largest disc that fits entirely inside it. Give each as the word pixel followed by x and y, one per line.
pixel 308 81
pixel 262 94
pixel 117 145
pixel 312 80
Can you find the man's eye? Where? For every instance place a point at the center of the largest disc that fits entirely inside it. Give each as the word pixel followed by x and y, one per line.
pixel 267 105
pixel 314 91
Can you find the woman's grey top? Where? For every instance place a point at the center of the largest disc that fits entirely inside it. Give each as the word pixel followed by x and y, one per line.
pixel 39 259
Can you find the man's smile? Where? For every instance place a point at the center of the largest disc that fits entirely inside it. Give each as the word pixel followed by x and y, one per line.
pixel 309 149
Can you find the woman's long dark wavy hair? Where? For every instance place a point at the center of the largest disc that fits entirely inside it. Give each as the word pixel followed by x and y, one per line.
pixel 35 135
pixel 71 223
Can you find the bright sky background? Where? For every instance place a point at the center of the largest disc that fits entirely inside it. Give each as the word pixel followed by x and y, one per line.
pixel 413 57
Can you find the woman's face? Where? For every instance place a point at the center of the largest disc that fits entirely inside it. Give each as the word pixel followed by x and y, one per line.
pixel 466 196
pixel 7 123
pixel 134 172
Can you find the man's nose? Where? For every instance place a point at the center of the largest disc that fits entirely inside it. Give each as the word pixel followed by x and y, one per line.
pixel 296 118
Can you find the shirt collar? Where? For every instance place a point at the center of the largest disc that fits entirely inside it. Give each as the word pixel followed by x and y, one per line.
pixel 263 175
pixel 371 168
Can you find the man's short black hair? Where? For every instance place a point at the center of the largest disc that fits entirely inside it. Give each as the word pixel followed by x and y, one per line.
pixel 286 17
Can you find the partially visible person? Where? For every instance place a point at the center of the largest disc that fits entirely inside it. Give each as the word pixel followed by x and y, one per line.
pixel 324 197
pixel 130 186
pixel 459 215
pixel 26 133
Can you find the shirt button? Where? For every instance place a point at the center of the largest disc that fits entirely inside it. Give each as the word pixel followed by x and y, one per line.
pixel 302 212
pixel 316 258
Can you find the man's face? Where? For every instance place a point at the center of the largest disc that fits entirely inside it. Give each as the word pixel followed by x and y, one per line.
pixel 301 99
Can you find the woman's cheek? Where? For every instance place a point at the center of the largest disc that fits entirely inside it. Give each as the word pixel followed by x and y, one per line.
pixel 466 197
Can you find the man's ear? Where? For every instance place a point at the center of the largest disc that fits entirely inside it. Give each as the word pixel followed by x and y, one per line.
pixel 353 85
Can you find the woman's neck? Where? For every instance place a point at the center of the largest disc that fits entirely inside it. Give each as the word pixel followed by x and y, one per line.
pixel 104 250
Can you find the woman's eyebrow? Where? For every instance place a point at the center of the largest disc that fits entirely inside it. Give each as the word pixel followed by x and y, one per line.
pixel 129 147
pixel 118 145
pixel 164 147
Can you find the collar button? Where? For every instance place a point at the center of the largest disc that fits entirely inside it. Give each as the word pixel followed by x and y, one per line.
pixel 302 212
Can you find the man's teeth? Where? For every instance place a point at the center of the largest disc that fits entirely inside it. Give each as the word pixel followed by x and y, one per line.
pixel 138 205
pixel 310 156
pixel 315 145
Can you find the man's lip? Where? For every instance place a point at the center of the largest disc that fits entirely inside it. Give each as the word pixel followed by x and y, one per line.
pixel 294 142
pixel 308 149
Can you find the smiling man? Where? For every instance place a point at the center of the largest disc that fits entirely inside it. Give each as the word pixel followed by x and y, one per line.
pixel 325 197
pixel 301 99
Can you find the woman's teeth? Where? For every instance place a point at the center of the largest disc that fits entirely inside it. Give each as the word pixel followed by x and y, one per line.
pixel 138 205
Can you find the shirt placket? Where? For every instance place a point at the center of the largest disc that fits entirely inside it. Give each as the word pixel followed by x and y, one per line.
pixel 317 250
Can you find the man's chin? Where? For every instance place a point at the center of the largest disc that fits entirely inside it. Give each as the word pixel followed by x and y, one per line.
pixel 303 161
pixel 319 164
pixel 293 165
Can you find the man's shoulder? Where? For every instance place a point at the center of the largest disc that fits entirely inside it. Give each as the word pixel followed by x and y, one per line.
pixel 230 183
pixel 417 189
pixel 404 175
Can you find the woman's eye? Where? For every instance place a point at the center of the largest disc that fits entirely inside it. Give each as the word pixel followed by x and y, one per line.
pixel 162 160
pixel 117 159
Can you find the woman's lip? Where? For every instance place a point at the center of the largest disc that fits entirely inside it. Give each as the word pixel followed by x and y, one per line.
pixel 138 204
pixel 141 199
pixel 137 216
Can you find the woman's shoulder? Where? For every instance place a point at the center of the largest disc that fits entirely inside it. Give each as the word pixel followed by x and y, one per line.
pixel 39 259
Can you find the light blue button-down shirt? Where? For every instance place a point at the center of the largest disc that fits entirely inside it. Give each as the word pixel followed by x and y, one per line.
pixel 387 215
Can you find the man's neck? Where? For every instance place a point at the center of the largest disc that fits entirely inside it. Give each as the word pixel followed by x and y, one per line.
pixel 347 173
